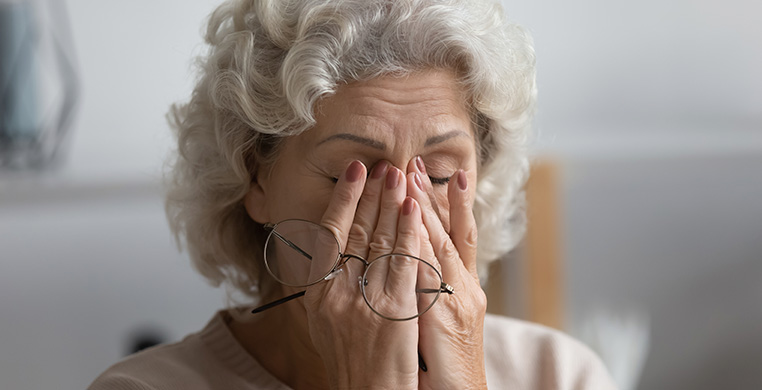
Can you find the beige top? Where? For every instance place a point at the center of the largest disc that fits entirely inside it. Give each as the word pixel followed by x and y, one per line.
pixel 519 355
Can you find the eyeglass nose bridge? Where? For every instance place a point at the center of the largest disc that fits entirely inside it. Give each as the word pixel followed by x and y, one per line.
pixel 345 257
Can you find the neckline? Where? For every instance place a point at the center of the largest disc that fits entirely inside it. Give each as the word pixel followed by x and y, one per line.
pixel 219 339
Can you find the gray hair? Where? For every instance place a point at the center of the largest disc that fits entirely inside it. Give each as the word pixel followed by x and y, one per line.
pixel 270 61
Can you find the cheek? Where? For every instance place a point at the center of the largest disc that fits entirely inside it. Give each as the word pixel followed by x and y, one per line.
pixel 301 203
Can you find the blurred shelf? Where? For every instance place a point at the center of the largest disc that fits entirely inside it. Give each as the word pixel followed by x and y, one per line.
pixel 25 189
pixel 598 144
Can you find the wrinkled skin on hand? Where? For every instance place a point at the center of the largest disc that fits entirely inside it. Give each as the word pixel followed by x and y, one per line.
pixel 393 212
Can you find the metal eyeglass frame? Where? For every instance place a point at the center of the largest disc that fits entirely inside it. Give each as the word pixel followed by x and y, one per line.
pixel 341 259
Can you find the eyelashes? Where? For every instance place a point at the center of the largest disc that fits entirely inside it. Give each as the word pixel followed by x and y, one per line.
pixel 434 180
pixel 335 180
pixel 439 180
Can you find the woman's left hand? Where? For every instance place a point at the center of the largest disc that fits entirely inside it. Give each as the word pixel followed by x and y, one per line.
pixel 451 332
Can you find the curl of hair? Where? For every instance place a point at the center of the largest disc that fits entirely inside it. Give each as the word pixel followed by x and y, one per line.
pixel 270 61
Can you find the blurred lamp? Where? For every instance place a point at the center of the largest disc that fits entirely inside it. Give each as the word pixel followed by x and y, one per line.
pixel 39 87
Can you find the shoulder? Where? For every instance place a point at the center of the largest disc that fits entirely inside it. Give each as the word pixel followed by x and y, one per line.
pixel 524 355
pixel 162 367
pixel 209 359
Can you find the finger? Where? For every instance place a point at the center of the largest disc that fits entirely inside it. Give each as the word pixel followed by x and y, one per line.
pixel 366 217
pixel 444 250
pixel 392 196
pixel 403 270
pixel 340 213
pixel 417 165
pixel 463 231
pixel 408 240
pixel 427 252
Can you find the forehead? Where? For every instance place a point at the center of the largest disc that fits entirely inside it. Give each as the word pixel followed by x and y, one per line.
pixel 424 103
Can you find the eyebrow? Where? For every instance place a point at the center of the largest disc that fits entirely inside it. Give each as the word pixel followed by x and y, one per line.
pixel 375 144
pixel 443 137
pixel 356 138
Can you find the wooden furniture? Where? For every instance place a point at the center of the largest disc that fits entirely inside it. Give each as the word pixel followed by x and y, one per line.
pixel 528 282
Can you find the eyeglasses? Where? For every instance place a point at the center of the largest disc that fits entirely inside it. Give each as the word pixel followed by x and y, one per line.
pixel 395 286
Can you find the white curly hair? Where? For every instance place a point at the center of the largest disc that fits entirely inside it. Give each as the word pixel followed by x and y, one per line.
pixel 270 61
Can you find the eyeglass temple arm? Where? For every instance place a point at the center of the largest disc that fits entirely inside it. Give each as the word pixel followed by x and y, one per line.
pixel 278 302
pixel 444 287
pixel 287 241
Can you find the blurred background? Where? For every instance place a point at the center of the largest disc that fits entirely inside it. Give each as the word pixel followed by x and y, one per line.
pixel 649 130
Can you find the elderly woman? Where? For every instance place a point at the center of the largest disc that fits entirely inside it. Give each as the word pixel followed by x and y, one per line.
pixel 334 165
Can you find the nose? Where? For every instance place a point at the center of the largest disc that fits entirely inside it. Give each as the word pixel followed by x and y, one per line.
pixel 405 163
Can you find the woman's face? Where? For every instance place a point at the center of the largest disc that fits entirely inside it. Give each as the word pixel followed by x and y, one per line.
pixel 387 118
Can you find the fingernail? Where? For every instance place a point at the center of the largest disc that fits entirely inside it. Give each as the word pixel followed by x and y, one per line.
pixel 407 206
pixel 392 179
pixel 379 170
pixel 420 164
pixel 354 172
pixel 417 180
pixel 462 180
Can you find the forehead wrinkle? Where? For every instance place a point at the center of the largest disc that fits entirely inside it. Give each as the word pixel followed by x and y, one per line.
pixel 383 111
pixel 381 104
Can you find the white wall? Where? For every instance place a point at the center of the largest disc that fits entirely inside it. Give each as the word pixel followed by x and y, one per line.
pixel 85 255
pixel 135 60
pixel 86 258
pixel 82 269
pixel 612 75
pixel 679 240
pixel 649 62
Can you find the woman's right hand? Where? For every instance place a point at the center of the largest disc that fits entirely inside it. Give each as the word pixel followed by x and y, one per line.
pixel 358 347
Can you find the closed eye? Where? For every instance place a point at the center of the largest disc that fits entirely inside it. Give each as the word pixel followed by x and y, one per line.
pixel 434 180
pixel 335 180
pixel 439 180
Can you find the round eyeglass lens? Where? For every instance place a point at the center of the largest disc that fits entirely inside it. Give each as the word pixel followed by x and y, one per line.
pixel 400 287
pixel 300 253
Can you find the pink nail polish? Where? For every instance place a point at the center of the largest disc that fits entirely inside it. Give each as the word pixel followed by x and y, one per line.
pixel 392 179
pixel 407 206
pixel 420 164
pixel 354 172
pixel 417 180
pixel 379 170
pixel 462 180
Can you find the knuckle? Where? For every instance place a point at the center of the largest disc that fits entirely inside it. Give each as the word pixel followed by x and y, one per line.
pixel 372 191
pixel 392 201
pixel 358 234
pixel 406 237
pixel 380 246
pixel 472 237
pixel 344 196
pixel 447 251
pixel 332 225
